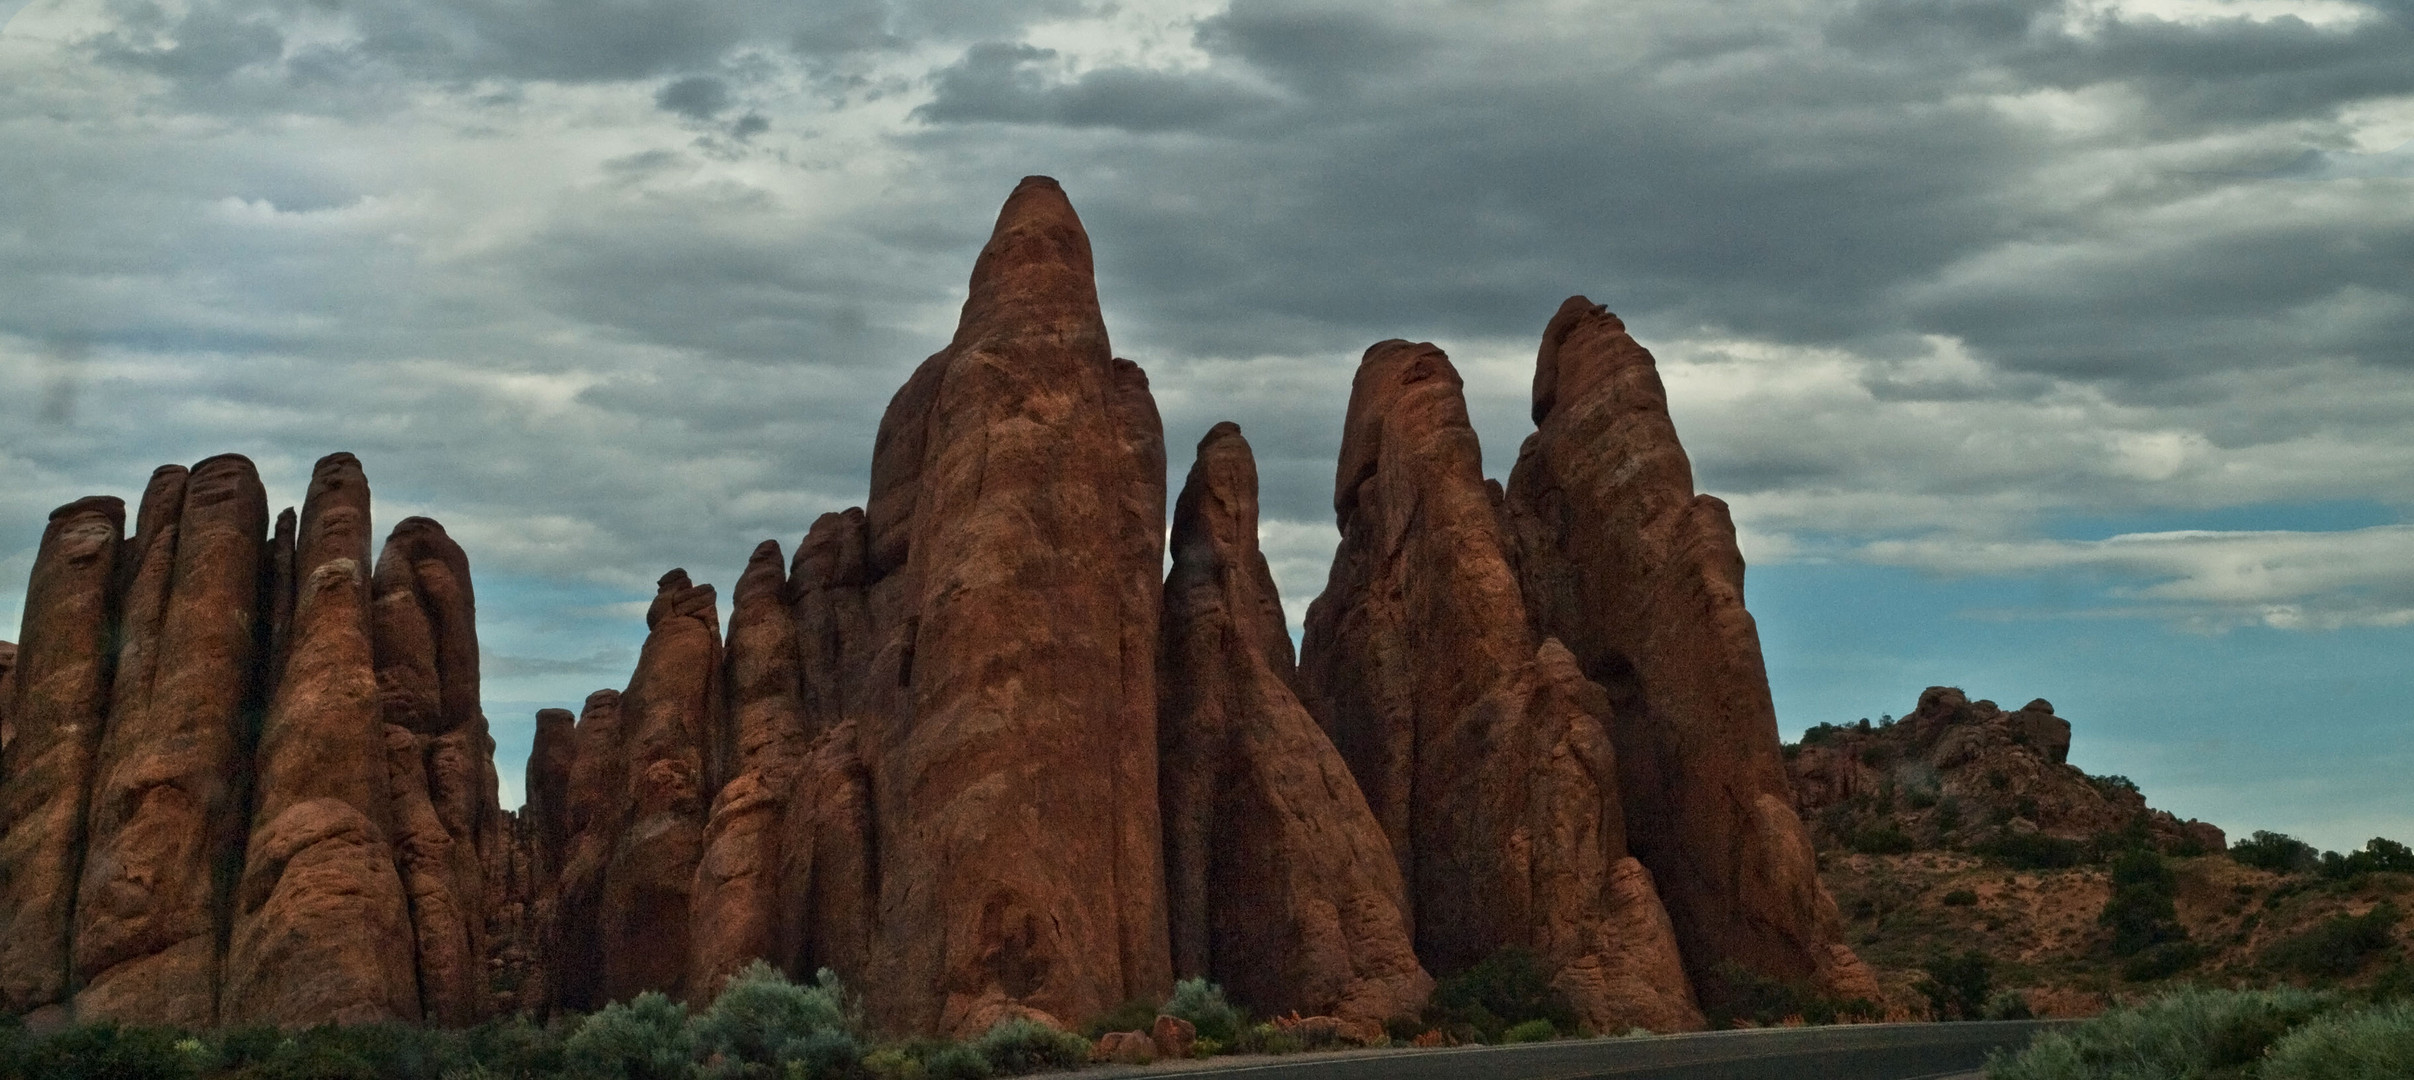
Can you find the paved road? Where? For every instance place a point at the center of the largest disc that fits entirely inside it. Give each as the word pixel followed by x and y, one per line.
pixel 1852 1052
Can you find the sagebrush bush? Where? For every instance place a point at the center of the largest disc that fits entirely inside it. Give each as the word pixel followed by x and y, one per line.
pixel 1202 1003
pixel 2193 1034
pixel 107 1050
pixel 759 1011
pixel 645 1038
pixel 1532 1031
pixel 1958 986
pixel 1018 1045
pixel 956 1061
pixel 1501 991
pixel 2365 1044
pixel 827 1054
pixel 2338 946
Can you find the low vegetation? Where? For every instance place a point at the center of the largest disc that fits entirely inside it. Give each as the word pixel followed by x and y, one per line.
pixel 2198 1034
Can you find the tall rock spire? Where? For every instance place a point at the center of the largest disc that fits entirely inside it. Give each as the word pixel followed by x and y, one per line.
pixel 1281 885
pixel 168 809
pixel 1641 579
pixel 1016 529
pixel 320 930
pixel 1482 749
pixel 55 701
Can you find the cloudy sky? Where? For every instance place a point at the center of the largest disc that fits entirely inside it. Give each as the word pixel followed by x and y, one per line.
pixel 2049 348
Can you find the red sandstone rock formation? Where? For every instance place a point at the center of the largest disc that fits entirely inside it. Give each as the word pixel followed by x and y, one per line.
pixel 828 867
pixel 1480 747
pixel 439 761
pixel 1281 885
pixel 169 794
pixel 59 705
pixel 1016 537
pixel 1641 580
pixel 597 812
pixel 320 930
pixel 8 692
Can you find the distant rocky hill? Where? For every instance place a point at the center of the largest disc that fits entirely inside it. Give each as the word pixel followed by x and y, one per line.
pixel 970 747
pixel 1968 775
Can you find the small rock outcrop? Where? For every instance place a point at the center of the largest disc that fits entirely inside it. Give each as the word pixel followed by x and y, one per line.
pixel 1640 578
pixel 1281 884
pixel 1480 746
pixel 1956 773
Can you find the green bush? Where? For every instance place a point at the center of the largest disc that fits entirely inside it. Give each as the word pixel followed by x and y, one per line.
pixel 1882 838
pixel 2141 910
pixel 1501 991
pixel 2009 1005
pixel 2162 961
pixel 1958 985
pixel 955 1061
pixel 1532 1031
pixel 2031 851
pixel 1017 1045
pixel 2193 1034
pixel 1202 1003
pixel 759 1011
pixel 827 1054
pixel 2338 946
pixel 1266 1039
pixel 2380 854
pixel 2279 853
pixel 2367 1044
pixel 108 1050
pixel 364 1052
pixel 646 1038
pixel 1961 898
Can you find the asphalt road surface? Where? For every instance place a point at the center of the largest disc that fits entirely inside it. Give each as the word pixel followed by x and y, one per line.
pixel 1848 1052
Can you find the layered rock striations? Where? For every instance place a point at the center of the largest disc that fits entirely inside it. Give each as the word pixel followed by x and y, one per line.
pixel 1281 884
pixel 1640 578
pixel 972 748
pixel 1480 746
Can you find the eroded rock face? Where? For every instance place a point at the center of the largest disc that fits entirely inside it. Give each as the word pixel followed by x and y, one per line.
pixel 1640 578
pixel 439 761
pixel 1281 885
pixel 8 692
pixel 56 704
pixel 320 929
pixel 170 792
pixel 1015 535
pixel 1480 747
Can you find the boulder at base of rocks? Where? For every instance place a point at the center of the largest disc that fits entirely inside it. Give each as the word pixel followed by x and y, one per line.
pixel 1173 1037
pixel 1124 1048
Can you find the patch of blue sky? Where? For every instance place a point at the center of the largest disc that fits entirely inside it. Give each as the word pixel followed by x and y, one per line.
pixel 2328 516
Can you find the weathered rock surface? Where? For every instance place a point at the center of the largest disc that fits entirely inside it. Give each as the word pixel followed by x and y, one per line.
pixel 8 692
pixel 1281 884
pixel 1480 747
pixel 1957 773
pixel 439 759
pixel 1016 538
pixel 57 711
pixel 320 930
pixel 169 797
pixel 1640 578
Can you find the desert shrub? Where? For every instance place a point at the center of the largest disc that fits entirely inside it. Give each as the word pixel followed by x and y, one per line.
pixel 956 1061
pixel 2113 785
pixel 892 1063
pixel 1501 991
pixel 1733 994
pixel 645 1038
pixel 827 1054
pixel 1880 838
pixel 2030 851
pixel 104 1050
pixel 2193 1034
pixel 2163 961
pixel 1134 1015
pixel 1202 1003
pixel 1266 1039
pixel 2338 946
pixel 1958 984
pixel 759 1011
pixel 514 1049
pixel 1532 1031
pixel 1961 898
pixel 2141 911
pixel 2279 853
pixel 363 1052
pixel 2380 854
pixel 1017 1045
pixel 2365 1044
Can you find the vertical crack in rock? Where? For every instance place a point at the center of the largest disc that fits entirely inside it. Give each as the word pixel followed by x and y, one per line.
pixel 1641 579
pixel 1480 747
